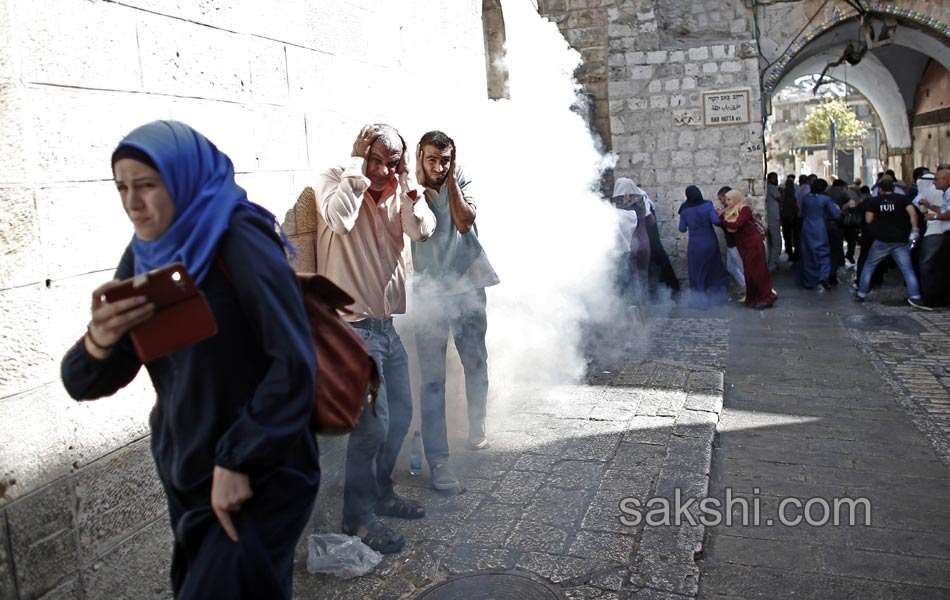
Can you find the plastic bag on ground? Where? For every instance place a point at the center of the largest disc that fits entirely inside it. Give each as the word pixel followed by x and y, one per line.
pixel 342 555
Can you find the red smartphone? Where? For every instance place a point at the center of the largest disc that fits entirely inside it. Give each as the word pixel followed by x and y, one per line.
pixel 182 315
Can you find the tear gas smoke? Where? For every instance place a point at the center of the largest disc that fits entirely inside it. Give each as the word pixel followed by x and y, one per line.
pixel 548 235
pixel 535 168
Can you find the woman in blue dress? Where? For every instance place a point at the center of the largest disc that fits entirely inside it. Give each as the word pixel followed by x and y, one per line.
pixel 814 265
pixel 707 276
pixel 231 425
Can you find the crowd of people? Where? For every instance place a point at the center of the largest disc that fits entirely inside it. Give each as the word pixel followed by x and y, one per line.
pixel 892 223
pixel 821 228
pixel 746 260
pixel 231 427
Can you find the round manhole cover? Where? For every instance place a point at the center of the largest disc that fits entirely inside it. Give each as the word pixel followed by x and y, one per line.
pixel 490 586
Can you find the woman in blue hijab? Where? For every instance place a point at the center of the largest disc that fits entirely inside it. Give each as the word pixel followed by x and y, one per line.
pixel 230 427
pixel 707 276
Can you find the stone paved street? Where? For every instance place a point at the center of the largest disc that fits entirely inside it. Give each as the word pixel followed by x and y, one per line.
pixel 826 398
pixel 823 398
pixel 545 498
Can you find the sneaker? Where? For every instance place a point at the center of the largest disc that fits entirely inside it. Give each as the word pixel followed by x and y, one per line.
pixel 918 303
pixel 478 443
pixel 443 478
pixel 741 299
pixel 858 297
pixel 824 285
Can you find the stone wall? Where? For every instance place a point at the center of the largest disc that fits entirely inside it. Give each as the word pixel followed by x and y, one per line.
pixel 282 87
pixel 682 23
pixel 661 57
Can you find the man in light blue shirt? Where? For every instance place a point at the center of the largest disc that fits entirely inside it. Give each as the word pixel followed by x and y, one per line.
pixel 450 274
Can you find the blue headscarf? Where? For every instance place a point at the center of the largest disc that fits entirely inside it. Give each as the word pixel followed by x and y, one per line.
pixel 200 181
pixel 694 197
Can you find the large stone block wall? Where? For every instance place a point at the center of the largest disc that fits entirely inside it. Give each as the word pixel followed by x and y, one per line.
pixel 686 22
pixel 661 56
pixel 282 87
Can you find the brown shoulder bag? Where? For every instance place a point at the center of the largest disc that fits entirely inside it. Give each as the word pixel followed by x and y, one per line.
pixel 347 376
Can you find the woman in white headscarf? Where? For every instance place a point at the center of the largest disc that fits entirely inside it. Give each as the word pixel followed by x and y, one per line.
pixel 657 255
pixel 628 196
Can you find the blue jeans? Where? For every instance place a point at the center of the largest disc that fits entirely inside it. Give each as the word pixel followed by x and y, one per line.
pixel 464 316
pixel 375 443
pixel 901 254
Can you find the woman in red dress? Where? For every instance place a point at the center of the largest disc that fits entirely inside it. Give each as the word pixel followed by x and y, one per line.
pixel 737 218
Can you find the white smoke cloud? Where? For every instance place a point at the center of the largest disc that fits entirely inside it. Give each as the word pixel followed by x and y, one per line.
pixel 534 166
pixel 547 233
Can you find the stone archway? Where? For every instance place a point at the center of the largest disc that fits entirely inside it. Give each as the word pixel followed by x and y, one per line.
pixel 875 82
pixel 886 30
pixel 913 29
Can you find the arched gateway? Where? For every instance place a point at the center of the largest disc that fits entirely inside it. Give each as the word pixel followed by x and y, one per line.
pixel 882 51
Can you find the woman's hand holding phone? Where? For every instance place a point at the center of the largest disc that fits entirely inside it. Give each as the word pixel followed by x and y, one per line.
pixel 110 320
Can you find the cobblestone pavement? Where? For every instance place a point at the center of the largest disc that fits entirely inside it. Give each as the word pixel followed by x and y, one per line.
pixel 910 351
pixel 545 499
pixel 826 398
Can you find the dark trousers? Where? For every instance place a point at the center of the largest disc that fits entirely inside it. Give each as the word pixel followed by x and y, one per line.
pixel 851 239
pixel 462 315
pixel 934 268
pixel 207 564
pixel 659 258
pixel 791 229
pixel 835 241
pixel 374 445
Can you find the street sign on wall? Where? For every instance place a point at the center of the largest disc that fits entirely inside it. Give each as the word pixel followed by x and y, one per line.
pixel 729 107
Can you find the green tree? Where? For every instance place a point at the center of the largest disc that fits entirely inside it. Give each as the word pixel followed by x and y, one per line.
pixel 816 127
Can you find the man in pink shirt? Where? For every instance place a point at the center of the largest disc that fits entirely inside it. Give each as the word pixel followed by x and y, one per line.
pixel 366 207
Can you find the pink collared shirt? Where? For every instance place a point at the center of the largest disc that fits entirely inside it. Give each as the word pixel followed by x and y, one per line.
pixel 360 242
